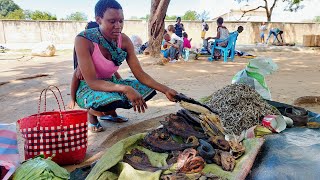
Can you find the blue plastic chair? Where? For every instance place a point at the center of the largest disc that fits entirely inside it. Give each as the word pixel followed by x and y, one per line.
pixel 230 48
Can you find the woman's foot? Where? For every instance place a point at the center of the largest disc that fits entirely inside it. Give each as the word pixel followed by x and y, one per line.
pixel 109 116
pixel 94 125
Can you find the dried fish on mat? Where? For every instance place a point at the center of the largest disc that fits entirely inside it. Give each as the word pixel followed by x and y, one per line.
pixel 160 140
pixel 188 162
pixel 240 107
pixel 139 160
pixel 177 125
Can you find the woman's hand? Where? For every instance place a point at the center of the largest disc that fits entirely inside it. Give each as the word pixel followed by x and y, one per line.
pixel 79 74
pixel 170 93
pixel 136 99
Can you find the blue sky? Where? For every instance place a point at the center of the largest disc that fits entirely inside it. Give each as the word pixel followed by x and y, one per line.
pixel 139 8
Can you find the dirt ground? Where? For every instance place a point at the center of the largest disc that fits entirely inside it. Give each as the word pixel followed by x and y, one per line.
pixel 22 77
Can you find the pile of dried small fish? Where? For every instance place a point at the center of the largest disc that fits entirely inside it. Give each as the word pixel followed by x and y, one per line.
pixel 239 107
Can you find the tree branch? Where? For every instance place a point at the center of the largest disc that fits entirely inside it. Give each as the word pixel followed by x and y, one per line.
pixel 273 5
pixel 245 12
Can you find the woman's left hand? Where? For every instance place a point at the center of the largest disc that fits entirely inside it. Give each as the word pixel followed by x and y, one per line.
pixel 170 93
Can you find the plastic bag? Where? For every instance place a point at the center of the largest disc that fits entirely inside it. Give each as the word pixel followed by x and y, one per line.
pixel 9 156
pixel 137 43
pixel 254 75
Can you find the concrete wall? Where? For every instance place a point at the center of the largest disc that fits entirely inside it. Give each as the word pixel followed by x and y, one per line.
pixel 64 32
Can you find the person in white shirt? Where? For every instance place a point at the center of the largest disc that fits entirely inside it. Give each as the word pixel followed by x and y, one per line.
pixel 204 29
pixel 262 28
pixel 175 39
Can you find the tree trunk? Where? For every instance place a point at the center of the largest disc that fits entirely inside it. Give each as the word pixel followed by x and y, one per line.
pixel 268 17
pixel 156 25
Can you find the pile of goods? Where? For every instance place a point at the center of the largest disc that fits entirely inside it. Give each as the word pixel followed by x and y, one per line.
pixel 240 107
pixel 192 137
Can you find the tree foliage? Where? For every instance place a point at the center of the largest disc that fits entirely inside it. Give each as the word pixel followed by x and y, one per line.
pixel 7 6
pixel 16 14
pixel 41 15
pixel 269 5
pixel 190 15
pixel 145 17
pixel 77 16
pixel 204 15
pixel 317 19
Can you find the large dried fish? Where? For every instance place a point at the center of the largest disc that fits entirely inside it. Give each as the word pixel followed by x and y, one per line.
pixel 188 162
pixel 140 161
pixel 160 140
pixel 178 126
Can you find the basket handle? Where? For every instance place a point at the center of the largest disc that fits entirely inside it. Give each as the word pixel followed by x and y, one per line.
pixel 45 98
pixel 45 103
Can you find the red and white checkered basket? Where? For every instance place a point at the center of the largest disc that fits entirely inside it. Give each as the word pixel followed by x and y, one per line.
pixel 59 133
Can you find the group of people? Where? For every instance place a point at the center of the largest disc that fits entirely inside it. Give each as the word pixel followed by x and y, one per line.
pixel 276 32
pixel 175 43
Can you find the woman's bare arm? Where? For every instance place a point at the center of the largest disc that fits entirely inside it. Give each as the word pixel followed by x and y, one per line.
pixel 139 73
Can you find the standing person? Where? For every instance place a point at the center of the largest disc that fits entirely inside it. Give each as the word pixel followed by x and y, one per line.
pixel 179 27
pixel 204 29
pixel 186 46
pixel 262 28
pixel 222 34
pixel 100 51
pixel 275 32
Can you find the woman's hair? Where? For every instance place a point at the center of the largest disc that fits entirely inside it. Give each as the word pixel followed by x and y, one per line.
pixel 178 18
pixel 103 5
pixel 171 28
pixel 220 20
pixel 185 35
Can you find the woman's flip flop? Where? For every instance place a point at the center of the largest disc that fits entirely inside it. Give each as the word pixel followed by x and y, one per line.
pixel 118 119
pixel 96 127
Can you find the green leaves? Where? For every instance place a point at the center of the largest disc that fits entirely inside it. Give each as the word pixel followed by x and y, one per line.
pixel 40 168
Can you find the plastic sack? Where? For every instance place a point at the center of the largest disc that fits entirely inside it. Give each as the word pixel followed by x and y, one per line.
pixel 137 43
pixel 44 49
pixel 9 155
pixel 254 75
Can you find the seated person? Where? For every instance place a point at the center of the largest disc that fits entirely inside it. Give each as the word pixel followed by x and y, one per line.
pixel 275 32
pixel 222 34
pixel 168 49
pixel 175 39
pixel 239 30
pixel 100 51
